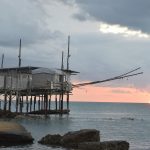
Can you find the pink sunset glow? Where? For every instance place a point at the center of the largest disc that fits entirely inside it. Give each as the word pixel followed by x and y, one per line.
pixel 93 93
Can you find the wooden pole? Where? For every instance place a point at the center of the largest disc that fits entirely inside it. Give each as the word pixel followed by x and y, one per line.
pixel 10 99
pixel 42 104
pixel 34 102
pixel 10 94
pixel 56 101
pixel 31 103
pixel 2 64
pixel 27 103
pixel 67 100
pixel 50 102
pixel 20 102
pixel 39 103
pixel 5 101
pixel 17 101
pixel 19 56
pixel 5 94
pixel 61 101
pixel 46 103
pixel 68 53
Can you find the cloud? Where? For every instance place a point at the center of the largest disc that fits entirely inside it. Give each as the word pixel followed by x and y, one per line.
pixel 133 14
pixel 124 31
pixel 121 91
pixel 23 19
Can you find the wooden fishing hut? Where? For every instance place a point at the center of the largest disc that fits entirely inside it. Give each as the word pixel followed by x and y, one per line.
pixel 30 89
pixel 33 87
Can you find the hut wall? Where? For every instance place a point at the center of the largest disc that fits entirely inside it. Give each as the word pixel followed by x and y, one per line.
pixel 14 81
pixel 1 81
pixel 42 80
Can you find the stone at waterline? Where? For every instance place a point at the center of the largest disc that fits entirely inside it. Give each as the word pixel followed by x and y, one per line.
pixel 72 139
pixel 13 134
pixel 107 145
pixel 53 140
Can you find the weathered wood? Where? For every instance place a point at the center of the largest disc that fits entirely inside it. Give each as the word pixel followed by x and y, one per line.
pixel 27 104
pixel 49 103
pixel 39 103
pixel 56 102
pixel 17 101
pixel 10 99
pixel 46 103
pixel 5 94
pixel 68 100
pixel 42 102
pixel 34 102
pixel 31 104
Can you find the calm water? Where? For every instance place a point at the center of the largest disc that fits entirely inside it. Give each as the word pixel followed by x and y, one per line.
pixel 130 122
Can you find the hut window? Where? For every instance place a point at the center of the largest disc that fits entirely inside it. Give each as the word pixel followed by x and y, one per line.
pixel 60 78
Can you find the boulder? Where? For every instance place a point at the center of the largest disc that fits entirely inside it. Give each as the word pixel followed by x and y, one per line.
pixel 107 145
pixel 13 134
pixel 7 114
pixel 72 139
pixel 54 140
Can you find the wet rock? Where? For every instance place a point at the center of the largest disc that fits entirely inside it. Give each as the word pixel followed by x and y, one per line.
pixel 13 134
pixel 107 145
pixel 72 139
pixel 54 140
pixel 7 114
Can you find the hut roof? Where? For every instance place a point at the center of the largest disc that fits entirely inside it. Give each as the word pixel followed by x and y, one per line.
pixel 26 69
pixel 46 70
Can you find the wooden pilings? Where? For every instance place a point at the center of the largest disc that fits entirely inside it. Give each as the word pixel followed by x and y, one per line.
pixel 67 100
pixel 46 103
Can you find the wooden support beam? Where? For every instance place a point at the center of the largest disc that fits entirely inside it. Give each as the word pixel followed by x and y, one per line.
pixel 5 93
pixel 17 101
pixel 31 103
pixel 39 102
pixel 67 100
pixel 34 102
pixel 10 100
pixel 20 103
pixel 56 102
pixel 50 102
pixel 46 103
pixel 42 103
pixel 27 104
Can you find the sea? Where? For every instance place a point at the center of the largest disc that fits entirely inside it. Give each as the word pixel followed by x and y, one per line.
pixel 115 121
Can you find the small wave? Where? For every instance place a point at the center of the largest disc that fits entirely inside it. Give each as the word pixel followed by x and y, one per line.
pixel 107 118
pixel 128 118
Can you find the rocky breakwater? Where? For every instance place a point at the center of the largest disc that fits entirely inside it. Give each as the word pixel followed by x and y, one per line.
pixel 86 139
pixel 13 134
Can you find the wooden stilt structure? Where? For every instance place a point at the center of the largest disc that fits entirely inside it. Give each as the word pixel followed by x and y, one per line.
pixel 37 86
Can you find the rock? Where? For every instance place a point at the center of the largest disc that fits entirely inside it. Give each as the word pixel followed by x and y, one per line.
pixel 90 146
pixel 107 145
pixel 54 140
pixel 7 114
pixel 13 134
pixel 72 139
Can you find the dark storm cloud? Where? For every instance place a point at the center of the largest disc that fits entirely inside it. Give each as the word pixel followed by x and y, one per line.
pixel 132 13
pixel 80 17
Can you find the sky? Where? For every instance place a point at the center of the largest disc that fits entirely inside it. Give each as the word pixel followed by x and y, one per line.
pixel 108 38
